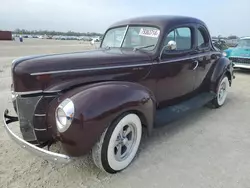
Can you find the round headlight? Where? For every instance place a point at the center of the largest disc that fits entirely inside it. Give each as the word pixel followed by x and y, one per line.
pixel 224 54
pixel 64 115
pixel 61 116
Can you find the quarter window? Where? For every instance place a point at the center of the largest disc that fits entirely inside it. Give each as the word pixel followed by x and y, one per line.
pixel 182 36
pixel 202 38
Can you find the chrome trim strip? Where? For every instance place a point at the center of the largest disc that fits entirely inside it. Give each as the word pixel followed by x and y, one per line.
pixel 39 115
pixel 239 57
pixel 36 92
pixel 90 69
pixel 183 58
pixel 45 154
pixel 40 129
pixel 29 92
pixel 114 67
pixel 48 92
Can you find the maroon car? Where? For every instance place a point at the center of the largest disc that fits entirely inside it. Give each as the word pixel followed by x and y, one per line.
pixel 147 72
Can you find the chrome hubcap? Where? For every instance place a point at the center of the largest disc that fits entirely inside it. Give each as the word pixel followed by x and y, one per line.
pixel 125 142
pixel 222 91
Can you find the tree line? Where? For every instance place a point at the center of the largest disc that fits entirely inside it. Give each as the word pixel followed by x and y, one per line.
pixel 46 32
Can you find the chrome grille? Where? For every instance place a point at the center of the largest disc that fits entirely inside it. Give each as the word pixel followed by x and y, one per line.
pixel 25 108
pixel 240 60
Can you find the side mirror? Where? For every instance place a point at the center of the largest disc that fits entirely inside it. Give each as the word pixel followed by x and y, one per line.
pixel 170 46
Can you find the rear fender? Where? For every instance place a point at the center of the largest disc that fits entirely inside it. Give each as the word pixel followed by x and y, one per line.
pixel 97 106
pixel 222 67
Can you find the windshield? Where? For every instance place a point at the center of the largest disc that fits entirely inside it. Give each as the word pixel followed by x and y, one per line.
pixel 135 37
pixel 244 43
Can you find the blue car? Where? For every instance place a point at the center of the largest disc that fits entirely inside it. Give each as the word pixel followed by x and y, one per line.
pixel 240 55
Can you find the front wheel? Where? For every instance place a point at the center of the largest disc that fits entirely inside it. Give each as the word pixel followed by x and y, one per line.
pixel 118 145
pixel 222 92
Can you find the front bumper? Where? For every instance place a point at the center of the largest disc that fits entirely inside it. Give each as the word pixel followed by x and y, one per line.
pixel 240 62
pixel 45 154
pixel 238 65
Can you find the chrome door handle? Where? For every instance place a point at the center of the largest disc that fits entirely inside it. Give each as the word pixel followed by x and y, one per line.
pixel 197 63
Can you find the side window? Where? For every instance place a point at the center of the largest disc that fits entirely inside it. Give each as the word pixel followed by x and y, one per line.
pixel 203 40
pixel 182 36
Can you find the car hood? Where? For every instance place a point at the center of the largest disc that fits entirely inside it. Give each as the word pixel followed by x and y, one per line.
pixel 238 52
pixel 42 72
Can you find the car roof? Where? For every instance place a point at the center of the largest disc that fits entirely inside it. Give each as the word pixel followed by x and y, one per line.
pixel 245 37
pixel 161 21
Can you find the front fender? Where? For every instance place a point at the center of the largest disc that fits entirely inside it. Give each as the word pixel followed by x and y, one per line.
pixel 97 106
pixel 222 66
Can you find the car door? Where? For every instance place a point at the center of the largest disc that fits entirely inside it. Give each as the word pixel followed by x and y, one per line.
pixel 203 55
pixel 175 71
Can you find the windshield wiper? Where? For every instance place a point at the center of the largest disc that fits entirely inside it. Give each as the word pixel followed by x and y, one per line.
pixel 148 46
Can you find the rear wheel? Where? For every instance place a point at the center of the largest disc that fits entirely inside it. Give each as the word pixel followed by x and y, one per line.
pixel 118 145
pixel 222 91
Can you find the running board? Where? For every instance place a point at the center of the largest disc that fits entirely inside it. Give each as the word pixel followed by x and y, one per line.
pixel 170 113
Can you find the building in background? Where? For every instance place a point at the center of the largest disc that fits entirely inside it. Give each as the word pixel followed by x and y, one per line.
pixel 5 35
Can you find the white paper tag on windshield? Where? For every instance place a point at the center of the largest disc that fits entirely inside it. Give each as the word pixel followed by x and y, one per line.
pixel 149 32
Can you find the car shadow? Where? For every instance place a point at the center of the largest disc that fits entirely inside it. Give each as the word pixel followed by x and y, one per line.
pixel 241 71
pixel 159 135
pixel 171 129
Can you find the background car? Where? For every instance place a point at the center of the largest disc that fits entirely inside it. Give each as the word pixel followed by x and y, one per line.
pixel 220 44
pixel 240 55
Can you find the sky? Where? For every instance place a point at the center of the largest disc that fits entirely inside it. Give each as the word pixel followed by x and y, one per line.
pixel 223 17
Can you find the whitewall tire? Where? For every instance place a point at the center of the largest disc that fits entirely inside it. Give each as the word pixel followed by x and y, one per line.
pixel 222 92
pixel 118 144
